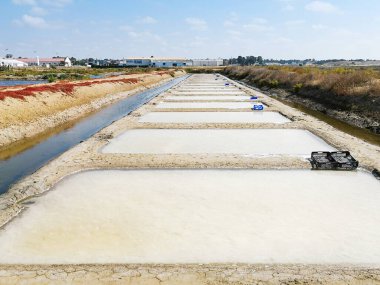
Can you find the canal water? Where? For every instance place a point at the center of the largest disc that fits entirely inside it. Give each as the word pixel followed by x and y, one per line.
pixel 28 161
pixel 97 76
pixel 360 133
pixel 20 82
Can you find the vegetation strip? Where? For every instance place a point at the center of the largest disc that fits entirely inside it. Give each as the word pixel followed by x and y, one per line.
pixel 334 90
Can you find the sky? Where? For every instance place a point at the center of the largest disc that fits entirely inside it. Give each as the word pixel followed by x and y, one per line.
pixel 287 29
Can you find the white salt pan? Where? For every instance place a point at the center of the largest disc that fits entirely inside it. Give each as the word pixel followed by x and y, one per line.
pixel 218 89
pixel 212 141
pixel 200 216
pixel 214 117
pixel 218 85
pixel 205 105
pixel 224 92
pixel 208 98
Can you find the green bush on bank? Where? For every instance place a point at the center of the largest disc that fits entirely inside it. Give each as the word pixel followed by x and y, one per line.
pixel 297 88
pixel 51 78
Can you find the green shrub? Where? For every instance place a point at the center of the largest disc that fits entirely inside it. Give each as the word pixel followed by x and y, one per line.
pixel 263 83
pixel 63 76
pixel 273 83
pixel 51 78
pixel 297 87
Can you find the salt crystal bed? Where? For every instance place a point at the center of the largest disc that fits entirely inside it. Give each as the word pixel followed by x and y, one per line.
pixel 208 85
pixel 205 105
pixel 214 117
pixel 200 216
pixel 259 142
pixel 224 92
pixel 202 89
pixel 208 98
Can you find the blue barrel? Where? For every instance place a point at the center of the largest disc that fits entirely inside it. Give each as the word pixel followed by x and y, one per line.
pixel 258 107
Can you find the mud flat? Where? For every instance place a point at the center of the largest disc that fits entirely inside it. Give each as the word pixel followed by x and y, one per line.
pixel 214 117
pixel 263 142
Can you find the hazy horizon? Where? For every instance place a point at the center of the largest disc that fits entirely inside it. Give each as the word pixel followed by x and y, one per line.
pixel 279 29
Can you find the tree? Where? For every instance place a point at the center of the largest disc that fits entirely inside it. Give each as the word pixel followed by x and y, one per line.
pixel 73 60
pixel 251 60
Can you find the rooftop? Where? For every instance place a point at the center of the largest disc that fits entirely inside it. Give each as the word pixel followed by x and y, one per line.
pixel 31 60
pixel 158 58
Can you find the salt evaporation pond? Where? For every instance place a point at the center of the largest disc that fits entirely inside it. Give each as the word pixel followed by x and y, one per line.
pixel 207 98
pixel 219 89
pixel 205 105
pixel 221 92
pixel 211 141
pixel 214 117
pixel 200 216
pixel 204 86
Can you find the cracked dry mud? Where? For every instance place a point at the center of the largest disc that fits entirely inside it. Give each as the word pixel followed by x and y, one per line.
pixel 202 274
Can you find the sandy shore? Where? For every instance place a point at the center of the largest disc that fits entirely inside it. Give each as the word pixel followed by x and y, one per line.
pixel 25 118
pixel 87 156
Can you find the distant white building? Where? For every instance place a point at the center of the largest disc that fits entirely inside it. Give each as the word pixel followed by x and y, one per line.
pixel 156 62
pixel 137 62
pixel 208 62
pixel 169 62
pixel 273 63
pixel 9 62
pixel 47 62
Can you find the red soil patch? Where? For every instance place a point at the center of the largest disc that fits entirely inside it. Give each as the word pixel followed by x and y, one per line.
pixel 63 87
pixel 161 73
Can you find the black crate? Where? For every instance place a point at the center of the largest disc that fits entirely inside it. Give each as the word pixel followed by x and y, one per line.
pixel 376 173
pixel 337 160
pixel 322 160
pixel 344 160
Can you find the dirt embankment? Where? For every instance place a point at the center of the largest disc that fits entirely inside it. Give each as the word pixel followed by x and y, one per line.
pixel 31 110
pixel 351 95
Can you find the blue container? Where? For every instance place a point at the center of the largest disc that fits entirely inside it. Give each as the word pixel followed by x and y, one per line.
pixel 254 97
pixel 258 107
